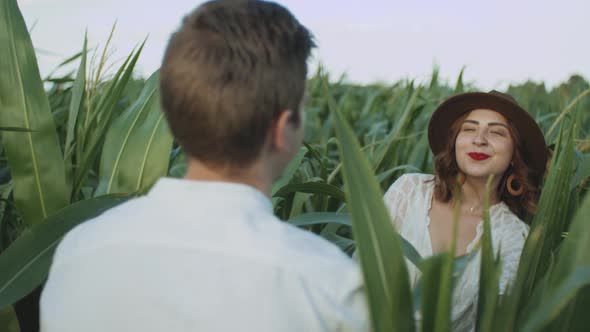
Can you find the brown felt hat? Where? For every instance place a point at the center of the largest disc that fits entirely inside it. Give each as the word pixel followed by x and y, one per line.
pixel 533 147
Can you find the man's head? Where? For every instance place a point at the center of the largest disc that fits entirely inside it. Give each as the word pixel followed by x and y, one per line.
pixel 232 73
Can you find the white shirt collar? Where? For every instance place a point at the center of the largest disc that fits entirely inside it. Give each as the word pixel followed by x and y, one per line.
pixel 228 193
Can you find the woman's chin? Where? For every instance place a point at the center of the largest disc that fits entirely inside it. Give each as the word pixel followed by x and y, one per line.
pixel 480 174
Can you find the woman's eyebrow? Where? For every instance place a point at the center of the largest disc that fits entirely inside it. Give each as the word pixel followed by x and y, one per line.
pixel 497 124
pixel 489 124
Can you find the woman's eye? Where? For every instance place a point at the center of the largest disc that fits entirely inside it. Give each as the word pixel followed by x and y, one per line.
pixel 468 129
pixel 499 133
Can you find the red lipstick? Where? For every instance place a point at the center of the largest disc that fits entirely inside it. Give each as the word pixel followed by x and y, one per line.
pixel 478 156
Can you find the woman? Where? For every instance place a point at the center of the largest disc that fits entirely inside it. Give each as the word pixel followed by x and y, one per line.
pixel 473 136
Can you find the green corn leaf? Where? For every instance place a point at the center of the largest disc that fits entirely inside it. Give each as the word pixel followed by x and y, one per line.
pixel 63 63
pixel 489 274
pixel 178 164
pixel 101 119
pixel 547 226
pixel 407 168
pixel 289 171
pixel 459 87
pixel 8 320
pixel 330 233
pixel 311 188
pixel 25 264
pixel 315 154
pixel 582 173
pixel 76 104
pixel 553 303
pixel 317 218
pixel 568 277
pixel 436 285
pixel 431 287
pixel 297 204
pixel 137 146
pixel 16 129
pixel 378 244
pixel 37 168
pixel 385 150
pixel 567 110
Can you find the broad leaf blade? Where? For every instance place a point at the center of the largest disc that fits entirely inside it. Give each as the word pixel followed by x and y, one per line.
pixel 569 276
pixel 101 119
pixel 379 246
pixel 386 149
pixel 288 174
pixel 315 218
pixel 8 320
pixel 25 264
pixel 35 158
pixel 557 300
pixel 549 223
pixel 137 146
pixel 489 274
pixel 289 171
pixel 16 129
pixel 433 272
pixel 76 104
pixel 311 188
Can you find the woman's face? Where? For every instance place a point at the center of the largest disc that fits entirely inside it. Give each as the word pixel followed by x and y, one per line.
pixel 484 145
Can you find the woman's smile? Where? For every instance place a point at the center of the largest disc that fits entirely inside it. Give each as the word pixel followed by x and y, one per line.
pixel 478 156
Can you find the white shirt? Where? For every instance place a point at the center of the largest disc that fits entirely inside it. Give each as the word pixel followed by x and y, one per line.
pixel 409 200
pixel 200 256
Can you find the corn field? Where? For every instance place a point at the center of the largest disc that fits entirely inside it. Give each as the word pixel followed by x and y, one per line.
pixel 76 145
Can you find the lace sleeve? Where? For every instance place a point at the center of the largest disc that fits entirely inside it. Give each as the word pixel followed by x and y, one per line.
pixel 511 246
pixel 396 199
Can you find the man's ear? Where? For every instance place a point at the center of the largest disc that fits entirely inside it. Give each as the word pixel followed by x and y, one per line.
pixel 281 130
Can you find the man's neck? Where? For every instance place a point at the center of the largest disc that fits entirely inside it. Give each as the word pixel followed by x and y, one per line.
pixel 254 175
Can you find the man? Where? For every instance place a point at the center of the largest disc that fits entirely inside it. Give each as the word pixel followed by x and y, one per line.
pixel 206 253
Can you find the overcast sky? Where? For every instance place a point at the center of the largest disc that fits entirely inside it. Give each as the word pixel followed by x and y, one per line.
pixel 498 41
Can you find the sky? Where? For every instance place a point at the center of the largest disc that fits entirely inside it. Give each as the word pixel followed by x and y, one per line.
pixel 498 42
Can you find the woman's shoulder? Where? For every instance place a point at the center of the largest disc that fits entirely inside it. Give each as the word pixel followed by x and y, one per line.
pixel 509 225
pixel 414 179
pixel 408 185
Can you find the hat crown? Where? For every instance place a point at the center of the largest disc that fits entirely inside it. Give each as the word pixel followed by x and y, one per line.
pixel 503 95
pixel 530 134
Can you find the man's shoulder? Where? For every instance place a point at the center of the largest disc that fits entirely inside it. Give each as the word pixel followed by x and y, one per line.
pixel 100 229
pixel 308 246
pixel 260 239
pixel 313 258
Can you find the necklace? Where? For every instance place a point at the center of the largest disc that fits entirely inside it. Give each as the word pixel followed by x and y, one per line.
pixel 474 209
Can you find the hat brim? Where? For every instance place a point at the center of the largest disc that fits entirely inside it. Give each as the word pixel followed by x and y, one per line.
pixel 533 145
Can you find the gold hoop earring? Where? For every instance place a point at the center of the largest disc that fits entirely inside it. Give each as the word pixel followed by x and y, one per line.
pixel 510 187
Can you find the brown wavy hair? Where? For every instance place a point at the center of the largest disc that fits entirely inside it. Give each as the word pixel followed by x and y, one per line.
pixel 446 172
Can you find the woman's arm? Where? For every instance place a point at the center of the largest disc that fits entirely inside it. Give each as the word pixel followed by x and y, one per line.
pixel 397 197
pixel 511 246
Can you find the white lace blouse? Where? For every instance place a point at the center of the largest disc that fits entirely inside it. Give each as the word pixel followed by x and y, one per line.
pixel 409 200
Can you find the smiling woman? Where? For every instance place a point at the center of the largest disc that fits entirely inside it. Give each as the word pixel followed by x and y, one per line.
pixel 473 136
pixel 526 161
pixel 483 146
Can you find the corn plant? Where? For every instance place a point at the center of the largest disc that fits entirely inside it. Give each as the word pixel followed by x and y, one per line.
pixel 96 137
pixel 68 153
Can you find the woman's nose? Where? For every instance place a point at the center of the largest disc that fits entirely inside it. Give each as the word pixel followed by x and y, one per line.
pixel 480 138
